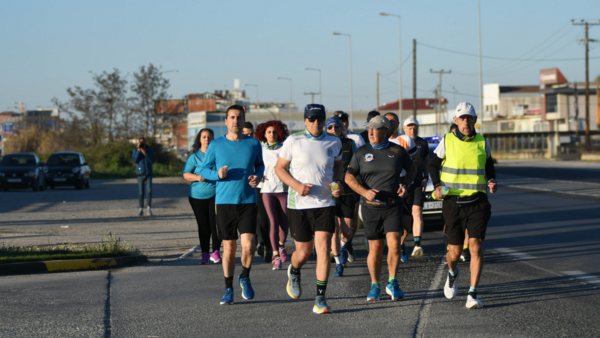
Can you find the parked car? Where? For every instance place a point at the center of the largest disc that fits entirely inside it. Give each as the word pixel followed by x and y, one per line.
pixel 432 209
pixel 67 168
pixel 22 171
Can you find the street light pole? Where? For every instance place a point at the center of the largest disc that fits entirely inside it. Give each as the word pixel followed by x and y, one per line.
pixel 253 85
pixel 400 61
pixel 480 76
pixel 351 96
pixel 287 78
pixel 320 92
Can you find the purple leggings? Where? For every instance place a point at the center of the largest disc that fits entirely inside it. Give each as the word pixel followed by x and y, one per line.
pixel 276 206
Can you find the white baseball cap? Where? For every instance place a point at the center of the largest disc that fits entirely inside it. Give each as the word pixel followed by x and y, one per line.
pixel 411 120
pixel 465 108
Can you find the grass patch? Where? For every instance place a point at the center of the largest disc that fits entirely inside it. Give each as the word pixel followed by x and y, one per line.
pixel 110 246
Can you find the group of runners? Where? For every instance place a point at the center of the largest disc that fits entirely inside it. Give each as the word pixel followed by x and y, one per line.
pixel 317 184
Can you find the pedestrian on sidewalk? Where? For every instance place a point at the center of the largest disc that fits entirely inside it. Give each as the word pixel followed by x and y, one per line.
pixel 202 197
pixel 143 157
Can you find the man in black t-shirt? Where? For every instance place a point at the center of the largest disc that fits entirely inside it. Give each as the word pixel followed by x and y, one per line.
pixel 365 134
pixel 379 164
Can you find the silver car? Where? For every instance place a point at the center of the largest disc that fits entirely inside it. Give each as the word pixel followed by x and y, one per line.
pixel 432 209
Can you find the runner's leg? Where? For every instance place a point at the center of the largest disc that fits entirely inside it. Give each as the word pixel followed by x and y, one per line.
pixel 201 212
pixel 393 253
pixel 374 260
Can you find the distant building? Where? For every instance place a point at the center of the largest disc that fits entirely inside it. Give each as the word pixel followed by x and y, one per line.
pixel 433 120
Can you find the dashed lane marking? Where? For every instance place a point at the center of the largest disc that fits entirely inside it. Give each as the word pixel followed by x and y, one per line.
pixel 514 253
pixel 583 277
pixel 191 251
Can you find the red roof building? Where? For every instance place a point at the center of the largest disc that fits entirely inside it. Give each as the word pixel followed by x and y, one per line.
pixel 407 104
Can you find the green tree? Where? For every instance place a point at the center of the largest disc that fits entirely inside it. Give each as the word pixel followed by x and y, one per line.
pixel 149 86
pixel 111 98
pixel 83 103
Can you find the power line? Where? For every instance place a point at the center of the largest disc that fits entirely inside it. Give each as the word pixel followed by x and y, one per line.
pixel 403 62
pixel 502 58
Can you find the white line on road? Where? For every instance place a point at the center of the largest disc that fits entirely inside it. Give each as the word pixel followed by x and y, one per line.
pixel 583 277
pixel 513 253
pixel 426 308
pixel 187 254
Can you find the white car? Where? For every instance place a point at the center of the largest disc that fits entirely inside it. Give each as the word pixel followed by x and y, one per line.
pixel 432 209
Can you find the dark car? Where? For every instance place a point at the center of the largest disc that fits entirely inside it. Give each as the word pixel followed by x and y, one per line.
pixel 67 169
pixel 18 171
pixel 432 209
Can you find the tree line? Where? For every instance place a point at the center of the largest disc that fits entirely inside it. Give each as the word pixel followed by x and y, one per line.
pixel 116 108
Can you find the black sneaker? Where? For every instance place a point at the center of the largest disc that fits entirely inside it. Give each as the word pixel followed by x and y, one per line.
pixel 465 256
pixel 268 255
pixel 260 250
pixel 351 257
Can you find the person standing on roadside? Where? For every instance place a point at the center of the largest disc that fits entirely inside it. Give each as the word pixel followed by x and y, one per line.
pixel 344 205
pixel 310 163
pixel 379 163
pixel 466 163
pixel 272 134
pixel 416 191
pixel 202 197
pixel 235 162
pixel 143 158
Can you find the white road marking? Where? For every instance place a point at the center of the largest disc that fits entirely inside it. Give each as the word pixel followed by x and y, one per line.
pixel 513 253
pixel 557 186
pixel 583 277
pixel 426 307
pixel 191 251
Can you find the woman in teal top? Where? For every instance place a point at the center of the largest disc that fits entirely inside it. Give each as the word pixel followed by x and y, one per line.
pixel 202 197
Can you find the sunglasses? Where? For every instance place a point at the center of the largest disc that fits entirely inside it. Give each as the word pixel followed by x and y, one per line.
pixel 316 118
pixel 331 127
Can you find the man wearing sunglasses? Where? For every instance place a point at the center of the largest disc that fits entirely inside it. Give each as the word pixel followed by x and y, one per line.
pixel 344 205
pixel 310 163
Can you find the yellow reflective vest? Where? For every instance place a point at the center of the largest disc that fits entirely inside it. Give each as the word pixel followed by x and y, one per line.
pixel 463 169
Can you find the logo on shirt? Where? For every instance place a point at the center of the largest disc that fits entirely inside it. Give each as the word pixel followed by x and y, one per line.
pixel 391 156
pixel 329 152
pixel 369 157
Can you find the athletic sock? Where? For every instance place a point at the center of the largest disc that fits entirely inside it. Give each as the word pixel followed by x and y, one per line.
pixel 321 287
pixel 465 247
pixel 391 279
pixel 417 240
pixel 229 282
pixel 337 259
pixel 294 271
pixel 452 273
pixel 245 272
pixel 473 292
pixel 375 284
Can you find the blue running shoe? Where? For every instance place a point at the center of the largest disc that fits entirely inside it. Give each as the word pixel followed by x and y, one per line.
pixel 404 255
pixel 227 297
pixel 393 289
pixel 321 305
pixel 344 255
pixel 140 213
pixel 294 289
pixel 375 293
pixel 247 290
pixel 339 271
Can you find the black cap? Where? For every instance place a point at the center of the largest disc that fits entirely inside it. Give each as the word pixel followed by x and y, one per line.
pixel 372 114
pixel 314 109
pixel 341 115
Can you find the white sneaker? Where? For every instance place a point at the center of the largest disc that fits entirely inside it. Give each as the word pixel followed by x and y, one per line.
pixel 473 303
pixel 417 252
pixel 451 286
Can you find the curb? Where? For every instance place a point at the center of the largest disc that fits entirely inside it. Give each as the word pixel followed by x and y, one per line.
pixel 69 265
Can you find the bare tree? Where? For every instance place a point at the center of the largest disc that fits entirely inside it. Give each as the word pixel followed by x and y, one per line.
pixel 149 85
pixel 83 103
pixel 111 96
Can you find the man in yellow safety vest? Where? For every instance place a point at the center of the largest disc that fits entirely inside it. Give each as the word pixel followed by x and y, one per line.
pixel 467 169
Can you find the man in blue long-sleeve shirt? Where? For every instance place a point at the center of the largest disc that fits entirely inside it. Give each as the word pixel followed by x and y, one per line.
pixel 143 158
pixel 239 168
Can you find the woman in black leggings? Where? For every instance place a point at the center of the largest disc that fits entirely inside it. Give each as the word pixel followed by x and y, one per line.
pixel 202 197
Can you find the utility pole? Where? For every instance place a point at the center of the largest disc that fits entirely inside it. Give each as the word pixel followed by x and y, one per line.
pixel 439 98
pixel 587 79
pixel 312 96
pixel 415 78
pixel 377 90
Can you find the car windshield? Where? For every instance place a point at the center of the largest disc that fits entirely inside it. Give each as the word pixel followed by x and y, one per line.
pixel 68 160
pixel 18 161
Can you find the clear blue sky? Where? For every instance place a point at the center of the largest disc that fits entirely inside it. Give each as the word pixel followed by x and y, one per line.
pixel 48 46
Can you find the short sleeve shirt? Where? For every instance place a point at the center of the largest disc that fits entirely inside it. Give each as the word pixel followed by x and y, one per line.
pixel 380 170
pixel 198 190
pixel 271 183
pixel 311 161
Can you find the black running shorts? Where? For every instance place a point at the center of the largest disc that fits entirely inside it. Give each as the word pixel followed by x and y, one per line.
pixel 344 206
pixel 379 221
pixel 234 218
pixel 414 196
pixel 303 223
pixel 466 216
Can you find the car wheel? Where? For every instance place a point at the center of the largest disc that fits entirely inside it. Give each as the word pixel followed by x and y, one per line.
pixel 80 184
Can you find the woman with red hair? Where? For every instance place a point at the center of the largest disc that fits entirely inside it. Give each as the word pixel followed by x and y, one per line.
pixel 271 134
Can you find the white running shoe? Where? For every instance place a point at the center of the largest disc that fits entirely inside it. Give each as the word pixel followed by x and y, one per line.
pixel 451 286
pixel 417 252
pixel 473 303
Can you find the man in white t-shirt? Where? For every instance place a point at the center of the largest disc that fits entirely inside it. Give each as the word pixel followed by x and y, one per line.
pixel 310 164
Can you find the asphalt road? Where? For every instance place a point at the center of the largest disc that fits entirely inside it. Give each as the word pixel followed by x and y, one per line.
pixel 541 279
